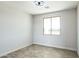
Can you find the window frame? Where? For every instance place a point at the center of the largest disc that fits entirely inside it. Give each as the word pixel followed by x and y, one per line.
pixel 51 26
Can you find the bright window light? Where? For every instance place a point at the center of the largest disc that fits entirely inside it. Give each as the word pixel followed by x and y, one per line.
pixel 52 26
pixel 47 26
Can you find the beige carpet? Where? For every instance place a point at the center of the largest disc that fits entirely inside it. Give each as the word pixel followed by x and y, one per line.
pixel 38 51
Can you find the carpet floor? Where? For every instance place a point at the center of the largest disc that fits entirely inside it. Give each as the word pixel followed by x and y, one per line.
pixel 39 51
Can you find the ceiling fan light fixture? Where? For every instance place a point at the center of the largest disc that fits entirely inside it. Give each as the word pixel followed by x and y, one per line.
pixel 41 4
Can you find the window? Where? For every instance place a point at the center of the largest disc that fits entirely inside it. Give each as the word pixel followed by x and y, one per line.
pixel 52 25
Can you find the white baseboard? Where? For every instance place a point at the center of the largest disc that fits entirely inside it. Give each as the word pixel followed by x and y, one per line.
pixel 54 46
pixel 3 54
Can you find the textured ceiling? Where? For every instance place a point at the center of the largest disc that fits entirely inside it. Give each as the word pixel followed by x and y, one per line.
pixel 28 6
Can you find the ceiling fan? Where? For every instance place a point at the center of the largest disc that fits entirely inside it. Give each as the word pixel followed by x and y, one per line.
pixel 41 4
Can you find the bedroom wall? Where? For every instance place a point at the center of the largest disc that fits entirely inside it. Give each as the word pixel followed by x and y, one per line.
pixel 68 37
pixel 78 29
pixel 15 29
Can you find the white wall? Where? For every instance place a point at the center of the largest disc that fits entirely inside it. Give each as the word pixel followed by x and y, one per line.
pixel 78 29
pixel 66 40
pixel 15 29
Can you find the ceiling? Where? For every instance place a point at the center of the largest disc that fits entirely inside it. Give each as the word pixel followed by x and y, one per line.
pixel 29 6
